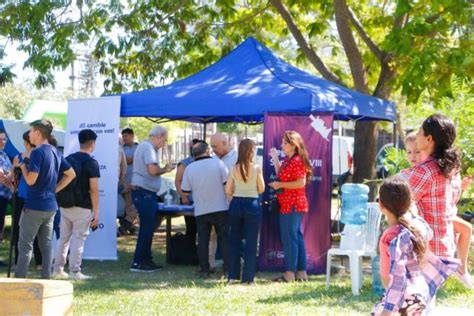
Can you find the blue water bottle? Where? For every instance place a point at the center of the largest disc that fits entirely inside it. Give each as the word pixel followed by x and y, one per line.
pixel 354 203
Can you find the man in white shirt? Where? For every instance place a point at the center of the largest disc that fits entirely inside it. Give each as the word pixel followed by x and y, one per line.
pixel 205 179
pixel 223 150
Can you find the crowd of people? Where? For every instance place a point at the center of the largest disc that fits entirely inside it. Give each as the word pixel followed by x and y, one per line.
pixel 417 250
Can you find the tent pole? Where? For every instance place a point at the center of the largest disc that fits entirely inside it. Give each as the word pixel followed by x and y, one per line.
pixel 204 129
pixel 339 132
pixel 395 137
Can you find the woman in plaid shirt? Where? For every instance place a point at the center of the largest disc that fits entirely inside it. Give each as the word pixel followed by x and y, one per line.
pixel 433 182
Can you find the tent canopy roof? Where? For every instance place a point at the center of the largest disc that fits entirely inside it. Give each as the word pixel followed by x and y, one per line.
pixel 245 84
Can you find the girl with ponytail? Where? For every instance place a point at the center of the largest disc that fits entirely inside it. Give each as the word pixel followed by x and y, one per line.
pixel 410 274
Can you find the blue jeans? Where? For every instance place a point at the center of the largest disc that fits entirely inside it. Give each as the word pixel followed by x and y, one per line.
pixel 293 241
pixel 145 202
pixel 245 216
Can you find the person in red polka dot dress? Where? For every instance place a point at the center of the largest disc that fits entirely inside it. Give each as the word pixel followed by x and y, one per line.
pixel 293 174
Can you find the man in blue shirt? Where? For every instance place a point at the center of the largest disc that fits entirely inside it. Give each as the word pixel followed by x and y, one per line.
pixel 41 176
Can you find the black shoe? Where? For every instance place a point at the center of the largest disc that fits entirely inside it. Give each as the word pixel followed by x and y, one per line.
pixel 125 224
pixel 145 267
pixel 154 265
pixel 121 231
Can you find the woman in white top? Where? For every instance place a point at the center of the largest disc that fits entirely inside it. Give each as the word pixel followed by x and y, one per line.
pixel 244 185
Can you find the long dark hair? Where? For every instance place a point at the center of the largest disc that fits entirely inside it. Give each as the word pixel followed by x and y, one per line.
pixel 443 131
pixel 26 138
pixel 395 195
pixel 294 138
pixel 246 152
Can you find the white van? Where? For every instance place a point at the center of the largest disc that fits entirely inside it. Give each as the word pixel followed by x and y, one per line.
pixel 342 151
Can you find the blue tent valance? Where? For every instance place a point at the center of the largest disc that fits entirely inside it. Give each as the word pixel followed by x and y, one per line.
pixel 245 84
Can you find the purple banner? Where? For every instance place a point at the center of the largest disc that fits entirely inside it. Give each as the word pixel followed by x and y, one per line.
pixel 316 130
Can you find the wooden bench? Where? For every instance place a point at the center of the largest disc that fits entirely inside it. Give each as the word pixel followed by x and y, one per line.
pixel 35 297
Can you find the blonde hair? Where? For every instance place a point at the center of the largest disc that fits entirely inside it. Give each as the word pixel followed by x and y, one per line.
pixel 411 137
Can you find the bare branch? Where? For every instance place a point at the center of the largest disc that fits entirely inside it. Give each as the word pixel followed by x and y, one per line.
pixel 387 70
pixel 158 23
pixel 303 44
pixel 350 46
pixel 365 37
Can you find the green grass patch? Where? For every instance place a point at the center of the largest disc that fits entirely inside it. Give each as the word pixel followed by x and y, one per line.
pixel 177 290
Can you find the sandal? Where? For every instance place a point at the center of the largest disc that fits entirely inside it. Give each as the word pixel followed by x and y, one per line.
pixel 281 279
pixel 301 276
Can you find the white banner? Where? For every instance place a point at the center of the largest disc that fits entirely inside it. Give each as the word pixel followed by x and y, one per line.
pixel 102 115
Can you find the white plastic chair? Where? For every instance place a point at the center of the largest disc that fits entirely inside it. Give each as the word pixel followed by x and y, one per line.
pixel 357 241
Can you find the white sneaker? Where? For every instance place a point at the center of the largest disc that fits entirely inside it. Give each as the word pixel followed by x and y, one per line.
pixel 59 274
pixel 465 279
pixel 78 276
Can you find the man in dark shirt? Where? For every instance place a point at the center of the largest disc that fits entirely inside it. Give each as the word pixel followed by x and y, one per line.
pixel 76 220
pixel 41 176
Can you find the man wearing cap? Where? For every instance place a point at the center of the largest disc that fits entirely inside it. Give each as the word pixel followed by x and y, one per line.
pixel 41 176
pixel 146 182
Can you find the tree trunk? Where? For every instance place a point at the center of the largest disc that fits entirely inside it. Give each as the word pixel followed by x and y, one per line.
pixel 365 146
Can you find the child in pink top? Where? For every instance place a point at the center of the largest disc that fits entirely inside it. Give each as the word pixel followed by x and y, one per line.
pixel 410 274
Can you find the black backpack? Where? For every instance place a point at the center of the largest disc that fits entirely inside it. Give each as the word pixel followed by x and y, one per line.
pixel 183 250
pixel 72 195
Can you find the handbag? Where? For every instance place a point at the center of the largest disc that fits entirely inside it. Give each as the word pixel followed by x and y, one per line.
pixel 274 205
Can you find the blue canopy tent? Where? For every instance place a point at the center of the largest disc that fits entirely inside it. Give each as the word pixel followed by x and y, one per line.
pixel 245 84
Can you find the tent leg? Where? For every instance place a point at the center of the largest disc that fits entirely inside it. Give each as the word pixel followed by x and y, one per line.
pixel 204 129
pixel 395 137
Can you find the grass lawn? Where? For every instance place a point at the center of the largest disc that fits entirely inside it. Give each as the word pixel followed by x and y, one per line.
pixel 177 290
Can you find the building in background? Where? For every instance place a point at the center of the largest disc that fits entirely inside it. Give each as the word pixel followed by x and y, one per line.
pixel 55 111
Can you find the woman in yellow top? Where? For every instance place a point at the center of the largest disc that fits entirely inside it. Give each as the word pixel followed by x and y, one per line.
pixel 244 185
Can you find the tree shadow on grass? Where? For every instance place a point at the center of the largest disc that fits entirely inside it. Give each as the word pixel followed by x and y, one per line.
pixel 336 295
pixel 112 276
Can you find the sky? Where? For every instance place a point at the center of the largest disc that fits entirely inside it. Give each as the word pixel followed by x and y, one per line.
pixel 18 58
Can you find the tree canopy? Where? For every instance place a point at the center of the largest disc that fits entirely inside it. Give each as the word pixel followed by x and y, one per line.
pixel 377 47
